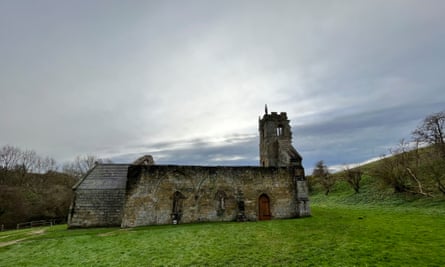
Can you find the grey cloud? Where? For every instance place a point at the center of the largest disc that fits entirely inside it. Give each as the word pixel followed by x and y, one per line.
pixel 244 151
pixel 117 79
pixel 356 137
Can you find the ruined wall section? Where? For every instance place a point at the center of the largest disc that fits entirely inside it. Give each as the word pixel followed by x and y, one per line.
pixel 99 197
pixel 156 193
pixel 302 192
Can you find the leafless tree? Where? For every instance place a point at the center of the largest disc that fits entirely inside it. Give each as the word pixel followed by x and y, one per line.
pixel 353 177
pixel 431 131
pixel 432 167
pixel 29 161
pixel 9 157
pixel 400 170
pixel 392 170
pixel 322 175
pixel 82 164
pixel 25 161
pixel 46 164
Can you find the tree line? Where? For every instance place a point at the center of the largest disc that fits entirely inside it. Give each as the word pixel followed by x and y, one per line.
pixel 34 187
pixel 15 159
pixel 416 166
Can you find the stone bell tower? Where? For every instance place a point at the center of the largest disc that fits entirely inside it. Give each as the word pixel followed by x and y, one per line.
pixel 276 148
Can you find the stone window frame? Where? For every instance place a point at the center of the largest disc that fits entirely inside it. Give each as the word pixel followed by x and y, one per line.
pixel 280 130
pixel 177 207
pixel 220 197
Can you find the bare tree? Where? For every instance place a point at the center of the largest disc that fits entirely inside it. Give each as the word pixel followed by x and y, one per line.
pixel 9 157
pixel 400 170
pixel 82 164
pixel 29 161
pixel 46 164
pixel 431 131
pixel 25 161
pixel 322 175
pixel 433 168
pixel 392 170
pixel 353 177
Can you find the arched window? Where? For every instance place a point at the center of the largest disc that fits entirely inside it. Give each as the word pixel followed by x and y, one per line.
pixel 220 197
pixel 177 207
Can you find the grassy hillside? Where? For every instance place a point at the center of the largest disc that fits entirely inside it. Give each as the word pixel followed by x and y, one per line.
pixel 375 195
pixel 376 191
pixel 333 236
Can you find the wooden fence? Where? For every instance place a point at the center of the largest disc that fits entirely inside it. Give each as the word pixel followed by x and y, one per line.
pixel 34 224
pixel 24 225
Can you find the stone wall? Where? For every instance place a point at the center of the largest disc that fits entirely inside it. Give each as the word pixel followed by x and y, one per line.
pixel 99 197
pixel 167 194
pixel 100 207
pixel 303 207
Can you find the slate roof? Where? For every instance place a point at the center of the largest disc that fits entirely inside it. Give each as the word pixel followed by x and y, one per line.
pixel 105 176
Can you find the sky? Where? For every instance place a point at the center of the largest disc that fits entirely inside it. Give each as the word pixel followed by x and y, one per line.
pixel 186 81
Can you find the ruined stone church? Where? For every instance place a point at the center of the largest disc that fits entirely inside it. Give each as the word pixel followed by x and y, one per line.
pixel 143 193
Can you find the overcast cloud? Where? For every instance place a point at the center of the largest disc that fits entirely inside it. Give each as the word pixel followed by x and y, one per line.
pixel 186 81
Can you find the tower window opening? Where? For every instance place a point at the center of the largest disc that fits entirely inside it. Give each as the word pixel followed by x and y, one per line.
pixel 280 130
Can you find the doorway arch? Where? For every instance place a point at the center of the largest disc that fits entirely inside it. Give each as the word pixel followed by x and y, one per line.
pixel 264 208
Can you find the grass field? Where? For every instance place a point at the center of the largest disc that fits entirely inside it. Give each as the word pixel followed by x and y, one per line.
pixel 336 235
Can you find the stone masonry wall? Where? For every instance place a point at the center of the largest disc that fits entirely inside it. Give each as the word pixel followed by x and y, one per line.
pixel 99 197
pixel 155 193
pixel 100 207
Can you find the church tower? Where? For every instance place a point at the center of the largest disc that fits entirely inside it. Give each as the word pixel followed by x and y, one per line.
pixel 276 148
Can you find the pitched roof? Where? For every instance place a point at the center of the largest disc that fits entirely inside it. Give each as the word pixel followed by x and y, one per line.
pixel 105 176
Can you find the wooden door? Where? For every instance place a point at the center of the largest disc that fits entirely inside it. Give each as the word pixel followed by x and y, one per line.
pixel 264 208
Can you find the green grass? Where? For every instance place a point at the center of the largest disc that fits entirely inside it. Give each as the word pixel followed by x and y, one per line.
pixel 336 235
pixel 374 195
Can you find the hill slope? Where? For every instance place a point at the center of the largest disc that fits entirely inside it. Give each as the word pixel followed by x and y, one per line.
pixel 377 186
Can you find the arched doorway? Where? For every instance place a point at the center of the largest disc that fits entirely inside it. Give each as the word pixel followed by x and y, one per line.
pixel 264 208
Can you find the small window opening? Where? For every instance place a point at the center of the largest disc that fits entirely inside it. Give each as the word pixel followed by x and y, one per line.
pixel 280 130
pixel 221 200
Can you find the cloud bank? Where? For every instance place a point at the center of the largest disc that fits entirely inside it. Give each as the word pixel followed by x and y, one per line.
pixel 186 81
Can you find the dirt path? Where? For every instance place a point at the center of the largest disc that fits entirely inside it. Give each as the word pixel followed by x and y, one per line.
pixel 31 234
pixel 114 232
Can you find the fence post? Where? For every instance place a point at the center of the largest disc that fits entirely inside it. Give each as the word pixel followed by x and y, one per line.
pixel 18 226
pixel 3 227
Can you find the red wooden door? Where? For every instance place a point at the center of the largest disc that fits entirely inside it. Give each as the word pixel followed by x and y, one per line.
pixel 264 208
